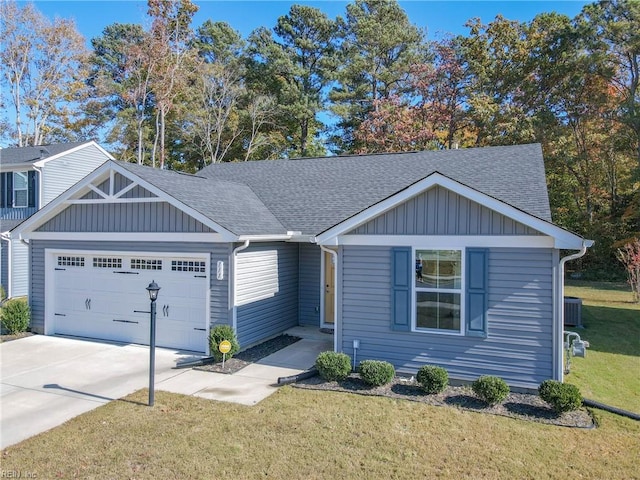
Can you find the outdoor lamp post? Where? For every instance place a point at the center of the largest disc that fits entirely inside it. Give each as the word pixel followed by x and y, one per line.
pixel 153 290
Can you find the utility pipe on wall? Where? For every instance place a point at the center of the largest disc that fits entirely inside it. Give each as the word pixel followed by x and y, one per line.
pixel 559 328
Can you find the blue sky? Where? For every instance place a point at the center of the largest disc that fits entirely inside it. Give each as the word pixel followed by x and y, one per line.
pixel 438 17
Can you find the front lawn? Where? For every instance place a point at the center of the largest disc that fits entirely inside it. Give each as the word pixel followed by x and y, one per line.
pixel 610 373
pixel 302 434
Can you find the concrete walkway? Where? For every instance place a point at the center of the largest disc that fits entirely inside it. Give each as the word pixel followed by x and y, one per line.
pixel 46 381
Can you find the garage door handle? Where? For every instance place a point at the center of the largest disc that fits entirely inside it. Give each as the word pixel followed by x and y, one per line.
pixel 123 321
pixel 200 276
pixel 60 314
pixel 201 329
pixel 128 273
pixel 140 311
pixel 63 269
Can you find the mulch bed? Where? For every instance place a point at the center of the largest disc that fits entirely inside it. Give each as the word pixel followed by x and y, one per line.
pixel 249 356
pixel 517 405
pixel 15 336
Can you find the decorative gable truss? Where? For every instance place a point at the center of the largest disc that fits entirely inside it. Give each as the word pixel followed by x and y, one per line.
pixel 113 203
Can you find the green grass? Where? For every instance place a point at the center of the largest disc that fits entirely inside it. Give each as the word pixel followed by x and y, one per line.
pixel 610 372
pixel 304 434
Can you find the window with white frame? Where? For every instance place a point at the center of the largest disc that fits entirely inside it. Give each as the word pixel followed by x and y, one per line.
pixel 438 290
pixel 20 189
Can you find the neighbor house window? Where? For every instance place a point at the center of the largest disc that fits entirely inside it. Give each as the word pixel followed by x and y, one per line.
pixel 438 287
pixel 20 189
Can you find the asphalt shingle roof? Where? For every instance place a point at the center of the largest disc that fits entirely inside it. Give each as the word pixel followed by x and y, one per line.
pixel 232 205
pixel 30 155
pixel 314 194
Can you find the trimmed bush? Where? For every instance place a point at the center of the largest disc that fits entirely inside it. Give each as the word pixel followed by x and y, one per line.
pixel 432 379
pixel 492 390
pixel 333 366
pixel 563 397
pixel 15 315
pixel 376 372
pixel 217 335
pixel 3 293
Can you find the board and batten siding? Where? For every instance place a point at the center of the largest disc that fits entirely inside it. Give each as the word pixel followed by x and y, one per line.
pixel 157 217
pixel 519 343
pixel 439 211
pixel 219 289
pixel 19 283
pixel 62 173
pixel 266 291
pixel 309 266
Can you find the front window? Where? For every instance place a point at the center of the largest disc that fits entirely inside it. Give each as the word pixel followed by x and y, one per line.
pixel 438 286
pixel 20 189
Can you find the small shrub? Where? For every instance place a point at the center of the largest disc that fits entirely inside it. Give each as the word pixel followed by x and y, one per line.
pixel 432 379
pixel 15 315
pixel 492 390
pixel 333 366
pixel 217 335
pixel 563 397
pixel 3 293
pixel 376 372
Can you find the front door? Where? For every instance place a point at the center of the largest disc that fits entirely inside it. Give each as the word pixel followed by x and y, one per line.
pixel 329 290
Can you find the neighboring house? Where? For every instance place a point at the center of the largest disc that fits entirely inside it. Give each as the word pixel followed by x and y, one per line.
pixel 446 258
pixel 30 177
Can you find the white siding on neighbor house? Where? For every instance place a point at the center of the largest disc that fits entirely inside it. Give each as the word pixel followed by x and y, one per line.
pixel 439 211
pixel 266 291
pixel 62 173
pixel 219 289
pixel 519 344
pixel 4 265
pixel 309 264
pixel 19 281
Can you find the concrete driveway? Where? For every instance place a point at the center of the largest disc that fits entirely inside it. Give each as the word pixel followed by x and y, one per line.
pixel 46 381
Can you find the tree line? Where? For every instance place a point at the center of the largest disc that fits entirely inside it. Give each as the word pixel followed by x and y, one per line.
pixel 175 95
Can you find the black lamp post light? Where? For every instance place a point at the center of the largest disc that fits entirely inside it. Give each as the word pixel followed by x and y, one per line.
pixel 153 290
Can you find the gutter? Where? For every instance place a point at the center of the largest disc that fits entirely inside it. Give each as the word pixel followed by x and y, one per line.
pixel 559 327
pixel 336 324
pixel 232 299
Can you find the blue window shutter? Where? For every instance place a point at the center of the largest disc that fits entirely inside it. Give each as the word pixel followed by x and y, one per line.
pixel 477 292
pixel 401 278
pixel 9 190
pixel 31 188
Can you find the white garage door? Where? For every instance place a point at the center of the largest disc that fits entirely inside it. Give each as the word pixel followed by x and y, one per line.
pixel 103 296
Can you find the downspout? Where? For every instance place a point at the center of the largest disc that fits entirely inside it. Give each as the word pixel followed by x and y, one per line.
pixel 559 328
pixel 40 186
pixel 336 325
pixel 234 310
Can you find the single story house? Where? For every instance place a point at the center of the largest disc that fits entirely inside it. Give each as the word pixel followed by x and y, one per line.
pixel 31 177
pixel 435 257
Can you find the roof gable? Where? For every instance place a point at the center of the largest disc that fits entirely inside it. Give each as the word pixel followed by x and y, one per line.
pixel 562 238
pixel 41 154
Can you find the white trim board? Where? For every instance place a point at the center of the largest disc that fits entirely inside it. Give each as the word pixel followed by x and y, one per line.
pixel 451 241
pixel 562 238
pixel 128 237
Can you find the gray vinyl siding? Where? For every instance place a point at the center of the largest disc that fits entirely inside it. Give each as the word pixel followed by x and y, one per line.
pixel 309 267
pixel 4 265
pixel 219 298
pixel 518 347
pixel 267 291
pixel 62 173
pixel 157 217
pixel 439 211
